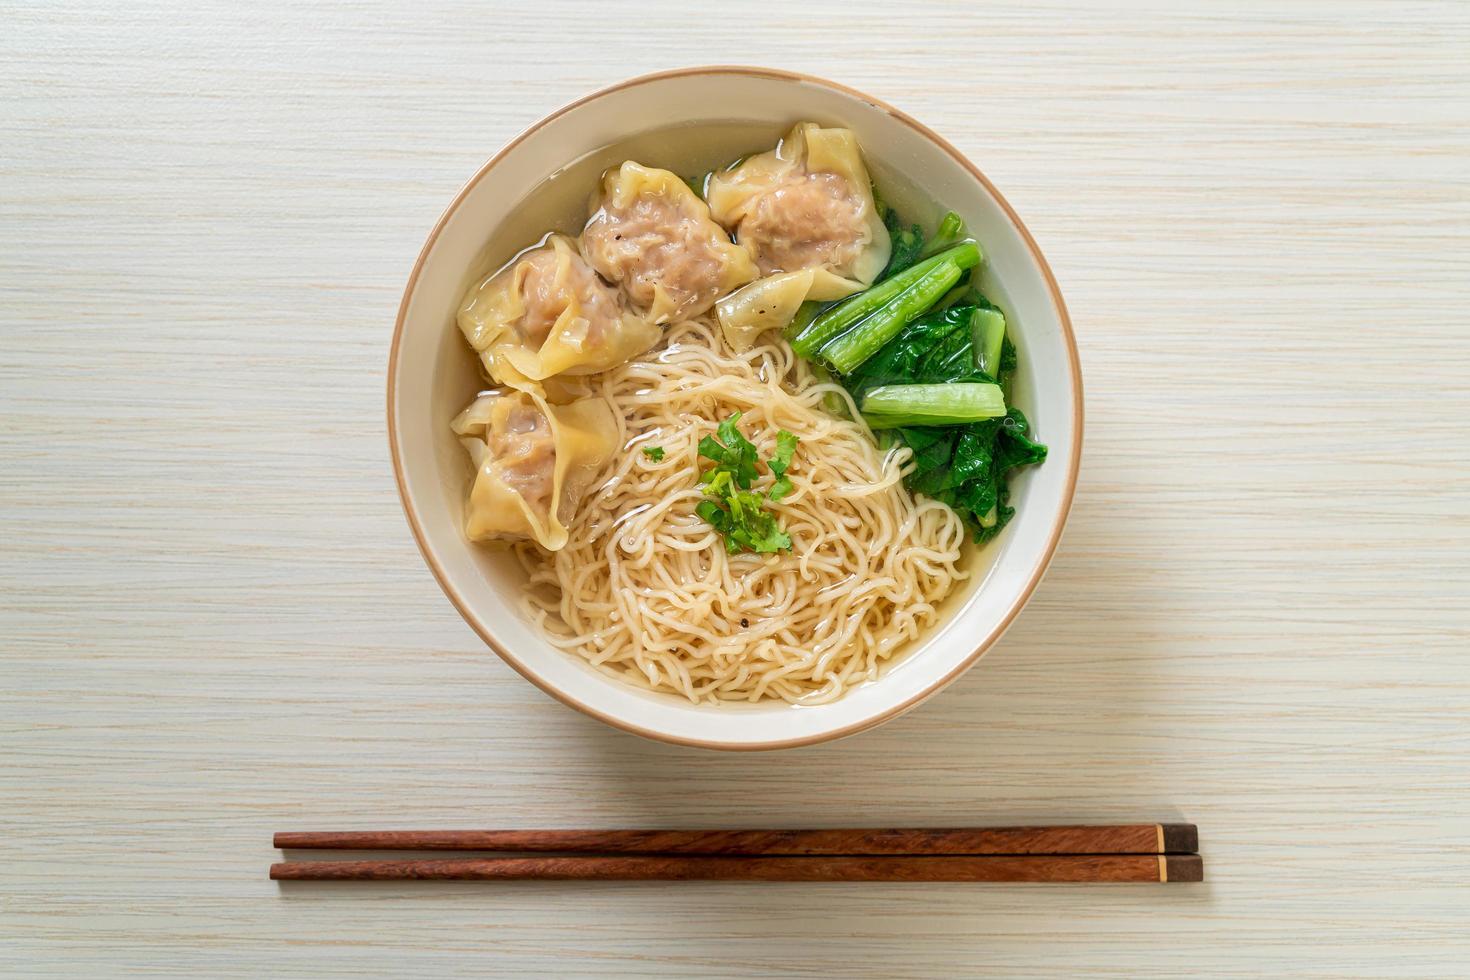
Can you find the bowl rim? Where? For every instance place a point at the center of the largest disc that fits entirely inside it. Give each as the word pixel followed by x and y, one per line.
pixel 1038 570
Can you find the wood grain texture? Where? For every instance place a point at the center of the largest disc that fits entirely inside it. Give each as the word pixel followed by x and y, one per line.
pixel 1147 838
pixel 215 623
pixel 1072 869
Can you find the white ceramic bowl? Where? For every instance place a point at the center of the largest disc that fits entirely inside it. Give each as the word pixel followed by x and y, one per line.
pixel 431 375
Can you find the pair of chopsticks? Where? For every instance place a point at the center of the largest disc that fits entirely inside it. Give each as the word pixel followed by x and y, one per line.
pixel 1139 853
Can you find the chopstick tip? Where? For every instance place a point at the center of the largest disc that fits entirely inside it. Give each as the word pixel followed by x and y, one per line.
pixel 1184 868
pixel 1180 838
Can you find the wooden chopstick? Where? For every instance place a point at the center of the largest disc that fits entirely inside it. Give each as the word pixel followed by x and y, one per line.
pixel 1122 868
pixel 1151 838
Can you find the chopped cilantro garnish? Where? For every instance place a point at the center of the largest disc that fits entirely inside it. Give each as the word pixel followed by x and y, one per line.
pixel 731 506
pixel 785 447
pixel 655 453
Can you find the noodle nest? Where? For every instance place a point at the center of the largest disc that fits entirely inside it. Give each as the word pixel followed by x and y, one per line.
pixel 645 590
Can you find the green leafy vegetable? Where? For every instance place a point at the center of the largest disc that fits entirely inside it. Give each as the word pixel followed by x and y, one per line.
pixel 988 329
pixel 843 315
pixel 937 348
pixel 951 232
pixel 965 466
pixel 953 403
pixel 849 332
pixel 908 243
pixel 732 507
pixel 655 453
pixel 848 350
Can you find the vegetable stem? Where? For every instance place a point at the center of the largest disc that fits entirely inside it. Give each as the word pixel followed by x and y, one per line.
pixel 951 229
pixel 848 350
pixel 988 328
pixel 953 296
pixel 896 406
pixel 805 314
pixel 839 318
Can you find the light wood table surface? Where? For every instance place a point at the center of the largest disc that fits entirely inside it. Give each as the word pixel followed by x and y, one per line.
pixel 214 623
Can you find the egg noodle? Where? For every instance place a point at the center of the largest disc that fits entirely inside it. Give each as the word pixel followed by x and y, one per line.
pixel 644 588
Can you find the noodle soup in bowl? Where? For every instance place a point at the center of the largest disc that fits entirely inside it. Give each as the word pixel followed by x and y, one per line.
pixel 635 519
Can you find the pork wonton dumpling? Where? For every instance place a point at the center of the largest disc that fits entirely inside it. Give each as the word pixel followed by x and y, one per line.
pixel 547 313
pixel 807 204
pixel 652 234
pixel 533 462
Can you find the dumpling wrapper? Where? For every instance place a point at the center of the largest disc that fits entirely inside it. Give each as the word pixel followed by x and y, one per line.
pixel 652 234
pixel 772 302
pixel 546 313
pixel 806 204
pixel 534 462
